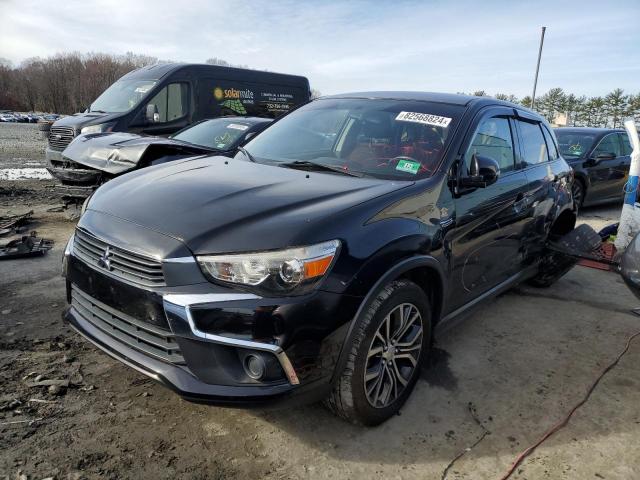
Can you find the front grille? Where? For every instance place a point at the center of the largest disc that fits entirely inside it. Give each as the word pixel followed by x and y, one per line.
pixel 123 264
pixel 60 137
pixel 144 337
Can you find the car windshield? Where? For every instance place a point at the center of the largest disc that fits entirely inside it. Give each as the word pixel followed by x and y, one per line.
pixel 219 133
pixel 391 139
pixel 122 96
pixel 574 144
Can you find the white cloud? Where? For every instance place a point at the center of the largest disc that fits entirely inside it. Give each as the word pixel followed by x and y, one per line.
pixel 341 46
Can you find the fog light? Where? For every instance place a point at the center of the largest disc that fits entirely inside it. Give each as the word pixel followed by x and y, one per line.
pixel 254 366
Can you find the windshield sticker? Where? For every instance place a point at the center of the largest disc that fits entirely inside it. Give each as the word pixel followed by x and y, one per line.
pixel 424 118
pixel 577 149
pixel 143 88
pixel 237 126
pixel 408 166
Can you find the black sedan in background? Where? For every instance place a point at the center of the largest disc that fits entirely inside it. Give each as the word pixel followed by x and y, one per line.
pixel 600 158
pixel 92 159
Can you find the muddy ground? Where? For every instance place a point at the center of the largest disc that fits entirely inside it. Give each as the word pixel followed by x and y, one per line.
pixel 505 374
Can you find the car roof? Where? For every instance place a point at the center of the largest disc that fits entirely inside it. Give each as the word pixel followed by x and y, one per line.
pixel 154 72
pixel 590 130
pixel 435 97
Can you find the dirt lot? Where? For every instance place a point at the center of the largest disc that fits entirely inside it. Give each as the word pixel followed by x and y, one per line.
pixel 512 369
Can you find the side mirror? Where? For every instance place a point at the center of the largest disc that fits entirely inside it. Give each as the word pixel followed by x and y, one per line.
pixel 483 172
pixel 152 113
pixel 605 156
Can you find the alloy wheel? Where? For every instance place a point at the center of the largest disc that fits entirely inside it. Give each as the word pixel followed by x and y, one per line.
pixel 393 355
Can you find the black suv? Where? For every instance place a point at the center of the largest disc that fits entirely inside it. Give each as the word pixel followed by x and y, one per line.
pixel 600 158
pixel 317 262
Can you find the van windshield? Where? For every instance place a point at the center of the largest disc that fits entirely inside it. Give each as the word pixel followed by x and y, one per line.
pixel 122 96
pixel 389 139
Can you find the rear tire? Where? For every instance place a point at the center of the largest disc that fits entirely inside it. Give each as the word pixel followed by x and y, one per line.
pixel 391 340
pixel 553 266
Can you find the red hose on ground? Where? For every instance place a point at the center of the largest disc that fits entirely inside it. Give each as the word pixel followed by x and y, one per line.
pixel 566 419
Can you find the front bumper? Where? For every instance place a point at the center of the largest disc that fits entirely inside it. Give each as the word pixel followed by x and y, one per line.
pixel 78 181
pixel 176 378
pixel 208 332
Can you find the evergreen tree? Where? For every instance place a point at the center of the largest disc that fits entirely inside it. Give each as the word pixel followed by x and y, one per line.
pixel 616 107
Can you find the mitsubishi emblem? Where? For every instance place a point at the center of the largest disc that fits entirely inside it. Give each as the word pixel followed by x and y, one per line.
pixel 105 260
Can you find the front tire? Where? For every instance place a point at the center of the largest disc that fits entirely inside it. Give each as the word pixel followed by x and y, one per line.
pixel 577 192
pixel 391 341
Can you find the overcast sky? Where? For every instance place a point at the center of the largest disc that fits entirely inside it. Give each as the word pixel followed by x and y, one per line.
pixel 590 47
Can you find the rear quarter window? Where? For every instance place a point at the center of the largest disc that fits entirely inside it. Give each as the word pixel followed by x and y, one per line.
pixel 532 143
pixel 551 144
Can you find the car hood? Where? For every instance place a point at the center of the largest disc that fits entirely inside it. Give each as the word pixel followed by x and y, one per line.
pixel 118 152
pixel 216 204
pixel 79 120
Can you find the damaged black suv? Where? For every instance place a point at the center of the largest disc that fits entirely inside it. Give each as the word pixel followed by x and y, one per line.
pixel 318 261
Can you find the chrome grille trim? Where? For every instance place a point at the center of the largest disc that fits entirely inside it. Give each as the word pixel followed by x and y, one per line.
pixel 60 137
pixel 124 264
pixel 141 336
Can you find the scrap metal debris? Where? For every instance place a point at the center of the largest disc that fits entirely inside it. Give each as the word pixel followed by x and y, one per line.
pixel 25 247
pixel 14 223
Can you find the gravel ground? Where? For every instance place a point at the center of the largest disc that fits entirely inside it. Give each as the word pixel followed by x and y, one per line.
pixel 501 378
pixel 21 146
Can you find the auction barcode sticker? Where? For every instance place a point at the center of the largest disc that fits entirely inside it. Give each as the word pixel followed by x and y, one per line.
pixel 424 118
pixel 236 126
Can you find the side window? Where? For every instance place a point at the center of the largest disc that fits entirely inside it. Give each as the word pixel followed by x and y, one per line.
pixel 626 144
pixel 607 146
pixel 534 147
pixel 551 144
pixel 493 139
pixel 172 102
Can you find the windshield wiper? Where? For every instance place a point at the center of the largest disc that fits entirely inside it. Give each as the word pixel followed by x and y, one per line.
pixel 246 153
pixel 97 111
pixel 306 165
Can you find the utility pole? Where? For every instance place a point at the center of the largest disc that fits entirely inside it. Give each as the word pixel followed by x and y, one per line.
pixel 535 80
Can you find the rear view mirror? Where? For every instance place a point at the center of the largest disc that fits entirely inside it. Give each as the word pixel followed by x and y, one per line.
pixel 152 113
pixel 483 172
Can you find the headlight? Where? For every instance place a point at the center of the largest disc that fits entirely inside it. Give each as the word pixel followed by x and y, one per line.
pixel 292 271
pixel 85 204
pixel 67 252
pixel 102 127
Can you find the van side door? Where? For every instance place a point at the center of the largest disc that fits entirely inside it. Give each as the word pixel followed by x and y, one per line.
pixel 487 236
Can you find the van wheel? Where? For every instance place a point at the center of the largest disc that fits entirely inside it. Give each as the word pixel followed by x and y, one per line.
pixel 392 339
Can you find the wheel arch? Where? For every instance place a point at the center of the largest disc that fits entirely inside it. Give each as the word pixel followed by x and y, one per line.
pixel 564 223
